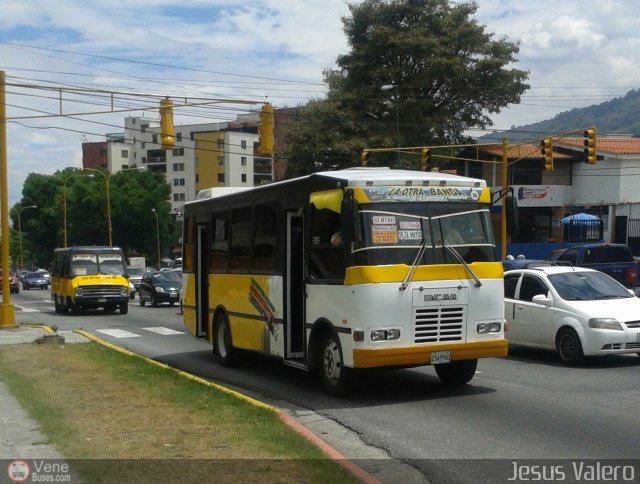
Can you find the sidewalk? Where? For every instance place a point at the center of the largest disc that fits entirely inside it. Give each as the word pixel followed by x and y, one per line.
pixel 20 437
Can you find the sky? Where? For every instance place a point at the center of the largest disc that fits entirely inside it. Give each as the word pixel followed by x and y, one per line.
pixel 576 53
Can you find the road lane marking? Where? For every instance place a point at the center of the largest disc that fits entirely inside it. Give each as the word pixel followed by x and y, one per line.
pixel 163 331
pixel 118 333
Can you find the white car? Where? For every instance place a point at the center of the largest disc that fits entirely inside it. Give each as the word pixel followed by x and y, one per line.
pixel 575 311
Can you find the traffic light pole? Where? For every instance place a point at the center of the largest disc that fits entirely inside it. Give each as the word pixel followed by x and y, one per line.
pixel 7 312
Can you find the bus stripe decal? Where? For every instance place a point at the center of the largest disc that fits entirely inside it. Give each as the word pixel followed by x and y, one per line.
pixel 261 302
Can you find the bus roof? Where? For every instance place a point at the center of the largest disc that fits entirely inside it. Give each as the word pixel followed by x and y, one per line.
pixel 354 177
pixel 89 248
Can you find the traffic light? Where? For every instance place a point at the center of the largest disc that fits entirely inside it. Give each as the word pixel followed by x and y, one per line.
pixel 364 157
pixel 547 154
pixel 425 157
pixel 167 134
pixel 265 147
pixel 590 146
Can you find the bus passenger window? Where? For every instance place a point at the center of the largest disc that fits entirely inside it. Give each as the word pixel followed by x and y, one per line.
pixel 264 242
pixel 220 244
pixel 240 250
pixel 326 260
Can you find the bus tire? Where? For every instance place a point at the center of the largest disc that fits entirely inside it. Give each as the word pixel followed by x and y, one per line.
pixel 124 307
pixel 223 349
pixel 334 376
pixel 457 372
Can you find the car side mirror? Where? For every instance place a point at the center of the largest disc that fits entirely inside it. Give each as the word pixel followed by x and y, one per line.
pixel 541 299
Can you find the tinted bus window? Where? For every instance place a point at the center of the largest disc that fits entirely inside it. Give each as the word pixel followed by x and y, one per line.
pixel 264 248
pixel 240 250
pixel 219 250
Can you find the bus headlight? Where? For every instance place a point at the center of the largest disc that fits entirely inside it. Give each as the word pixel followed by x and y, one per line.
pixel 489 327
pixel 77 292
pixel 385 334
pixel 124 291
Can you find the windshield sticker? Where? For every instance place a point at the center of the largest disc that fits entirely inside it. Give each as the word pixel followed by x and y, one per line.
pixel 410 225
pixel 386 220
pixel 104 257
pixel 384 234
pixel 90 257
pixel 410 234
pixel 422 194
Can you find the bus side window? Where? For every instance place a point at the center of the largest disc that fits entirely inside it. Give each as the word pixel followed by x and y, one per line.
pixel 240 249
pixel 219 250
pixel 187 245
pixel 264 241
pixel 326 260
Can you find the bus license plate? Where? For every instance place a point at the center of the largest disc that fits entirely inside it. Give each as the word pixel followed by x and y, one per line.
pixel 102 299
pixel 439 357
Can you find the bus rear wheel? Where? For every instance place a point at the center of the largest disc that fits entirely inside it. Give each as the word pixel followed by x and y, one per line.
pixel 457 372
pixel 223 350
pixel 334 376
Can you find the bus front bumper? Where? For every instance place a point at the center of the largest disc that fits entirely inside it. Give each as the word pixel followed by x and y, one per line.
pixel 421 355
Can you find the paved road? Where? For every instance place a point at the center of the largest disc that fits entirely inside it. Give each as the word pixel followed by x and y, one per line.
pixel 526 406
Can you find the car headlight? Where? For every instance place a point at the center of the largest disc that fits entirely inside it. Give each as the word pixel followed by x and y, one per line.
pixel 489 327
pixel 159 289
pixel 605 323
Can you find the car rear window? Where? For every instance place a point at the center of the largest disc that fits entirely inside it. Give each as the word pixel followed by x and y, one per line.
pixel 605 254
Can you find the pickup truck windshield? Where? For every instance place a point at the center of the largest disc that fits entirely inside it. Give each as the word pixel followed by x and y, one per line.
pixel 393 233
pixel 92 264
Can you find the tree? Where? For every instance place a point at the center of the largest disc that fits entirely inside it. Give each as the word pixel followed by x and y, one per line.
pixel 442 71
pixel 132 196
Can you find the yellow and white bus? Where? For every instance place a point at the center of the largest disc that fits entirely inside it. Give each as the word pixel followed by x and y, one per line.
pixel 358 268
pixel 89 277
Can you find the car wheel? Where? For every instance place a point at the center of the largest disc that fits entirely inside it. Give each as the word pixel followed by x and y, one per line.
pixel 223 350
pixel 154 302
pixel 457 372
pixel 334 376
pixel 124 307
pixel 569 347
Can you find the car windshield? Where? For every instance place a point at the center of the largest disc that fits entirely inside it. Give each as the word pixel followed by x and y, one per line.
pixel 35 275
pixel 92 264
pixel 587 286
pixel 167 276
pixel 135 271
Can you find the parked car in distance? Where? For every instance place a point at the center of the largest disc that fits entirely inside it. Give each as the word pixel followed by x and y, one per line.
pixel 159 287
pixel 574 311
pixel 615 260
pixel 34 279
pixel 14 284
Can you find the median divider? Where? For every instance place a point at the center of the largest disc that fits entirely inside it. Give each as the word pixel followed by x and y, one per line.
pixel 329 451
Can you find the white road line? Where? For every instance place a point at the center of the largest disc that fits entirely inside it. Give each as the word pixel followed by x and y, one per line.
pixel 25 310
pixel 118 333
pixel 163 331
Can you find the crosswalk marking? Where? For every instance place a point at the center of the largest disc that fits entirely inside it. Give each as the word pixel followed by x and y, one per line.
pixel 163 331
pixel 118 333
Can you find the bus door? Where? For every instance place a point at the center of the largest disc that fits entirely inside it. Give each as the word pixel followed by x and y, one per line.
pixel 295 286
pixel 202 280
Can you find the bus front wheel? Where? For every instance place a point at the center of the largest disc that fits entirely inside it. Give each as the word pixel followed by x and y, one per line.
pixel 124 307
pixel 334 376
pixel 457 372
pixel 223 350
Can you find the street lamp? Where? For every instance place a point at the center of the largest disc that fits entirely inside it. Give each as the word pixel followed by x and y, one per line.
pixel 107 177
pixel 19 212
pixel 389 87
pixel 64 200
pixel 157 234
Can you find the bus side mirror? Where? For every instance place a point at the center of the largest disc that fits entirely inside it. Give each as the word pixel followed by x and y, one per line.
pixel 349 221
pixel 511 206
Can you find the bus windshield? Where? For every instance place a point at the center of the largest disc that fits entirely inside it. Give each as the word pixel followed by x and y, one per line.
pixel 93 264
pixel 392 233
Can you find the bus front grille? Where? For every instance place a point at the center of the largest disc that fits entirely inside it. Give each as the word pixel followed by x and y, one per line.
pixel 101 291
pixel 439 324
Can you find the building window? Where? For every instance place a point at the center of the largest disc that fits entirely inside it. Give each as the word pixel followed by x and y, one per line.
pixel 178 152
pixel 243 178
pixel 125 153
pixel 179 197
pixel 154 139
pixel 144 159
pixel 220 160
pixel 243 144
pixel 143 145
pixel 243 161
pixel 178 167
pixel 143 127
pixel 221 177
pixel 178 137
pixel 103 152
pixel 178 182
pixel 220 144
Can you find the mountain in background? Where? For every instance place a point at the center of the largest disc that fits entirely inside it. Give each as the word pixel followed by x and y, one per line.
pixel 621 115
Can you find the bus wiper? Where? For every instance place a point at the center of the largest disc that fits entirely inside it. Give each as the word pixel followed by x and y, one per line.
pixel 414 265
pixel 456 254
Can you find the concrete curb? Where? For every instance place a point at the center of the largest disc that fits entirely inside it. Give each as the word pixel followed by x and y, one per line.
pixel 293 424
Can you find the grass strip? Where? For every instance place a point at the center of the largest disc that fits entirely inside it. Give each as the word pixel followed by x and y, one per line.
pixel 94 403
